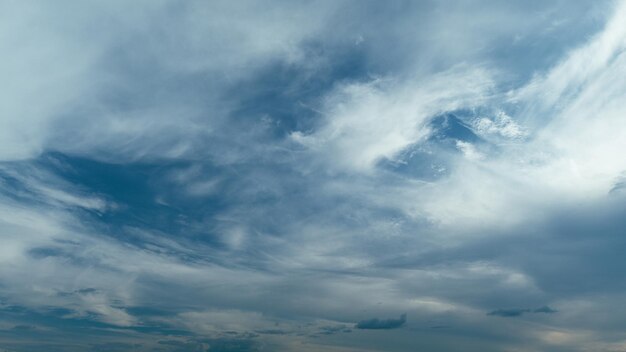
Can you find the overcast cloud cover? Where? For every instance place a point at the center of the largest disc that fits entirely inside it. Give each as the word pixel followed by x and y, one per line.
pixel 312 175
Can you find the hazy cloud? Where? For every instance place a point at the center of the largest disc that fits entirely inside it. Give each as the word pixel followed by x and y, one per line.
pixel 376 323
pixel 254 176
pixel 516 312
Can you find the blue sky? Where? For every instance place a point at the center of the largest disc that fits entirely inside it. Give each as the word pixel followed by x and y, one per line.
pixel 312 176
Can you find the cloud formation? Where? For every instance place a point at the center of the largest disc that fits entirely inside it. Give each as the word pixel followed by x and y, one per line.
pixel 259 176
pixel 516 312
pixel 376 323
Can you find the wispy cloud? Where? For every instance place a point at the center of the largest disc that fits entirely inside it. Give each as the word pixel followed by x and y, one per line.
pixel 255 176
pixel 382 323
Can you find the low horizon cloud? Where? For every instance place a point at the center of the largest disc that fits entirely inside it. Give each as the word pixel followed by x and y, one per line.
pixel 376 323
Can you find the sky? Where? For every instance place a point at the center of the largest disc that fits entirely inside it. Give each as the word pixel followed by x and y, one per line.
pixel 337 176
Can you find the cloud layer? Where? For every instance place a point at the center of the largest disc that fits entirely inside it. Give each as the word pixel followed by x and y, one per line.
pixel 253 176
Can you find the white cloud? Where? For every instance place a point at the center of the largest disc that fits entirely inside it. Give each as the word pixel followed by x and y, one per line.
pixel 365 122
pixel 96 79
pixel 578 106
pixel 318 231
pixel 501 125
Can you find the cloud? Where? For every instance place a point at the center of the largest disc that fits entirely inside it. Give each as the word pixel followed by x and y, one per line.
pixel 511 312
pixel 116 101
pixel 516 312
pixel 571 107
pixel 115 346
pixel 252 175
pixel 366 122
pixel 384 324
pixel 545 309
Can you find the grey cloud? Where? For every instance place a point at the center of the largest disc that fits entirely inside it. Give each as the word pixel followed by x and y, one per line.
pixel 116 347
pixel 376 323
pixel 272 332
pixel 545 309
pixel 288 232
pixel 516 312
pixel 183 346
pixel 24 327
pixel 330 330
pixel 233 345
pixel 511 312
